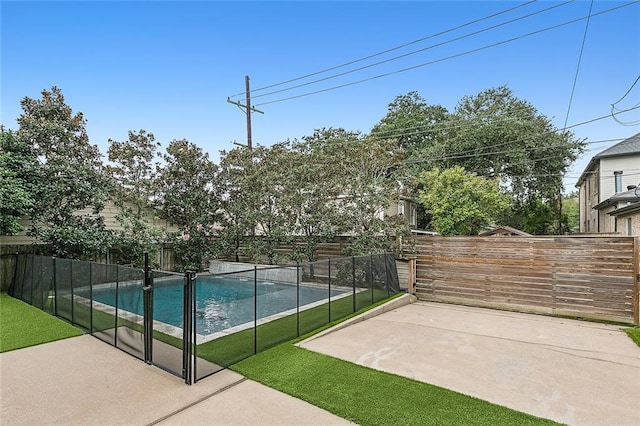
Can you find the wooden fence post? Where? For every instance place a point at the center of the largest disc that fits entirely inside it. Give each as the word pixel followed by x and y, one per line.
pixel 412 276
pixel 636 277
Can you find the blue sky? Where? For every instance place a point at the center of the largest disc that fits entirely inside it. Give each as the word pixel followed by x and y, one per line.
pixel 168 67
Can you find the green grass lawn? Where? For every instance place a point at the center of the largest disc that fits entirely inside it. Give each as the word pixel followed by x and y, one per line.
pixel 370 397
pixel 22 325
pixel 634 333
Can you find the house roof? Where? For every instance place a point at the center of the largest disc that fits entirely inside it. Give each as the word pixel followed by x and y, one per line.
pixel 631 196
pixel 504 230
pixel 631 208
pixel 628 146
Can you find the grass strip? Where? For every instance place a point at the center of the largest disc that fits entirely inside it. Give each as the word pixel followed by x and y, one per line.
pixel 370 397
pixel 230 349
pixel 22 325
pixel 634 333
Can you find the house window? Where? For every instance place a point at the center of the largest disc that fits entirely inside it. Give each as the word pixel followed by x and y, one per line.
pixel 618 181
pixel 629 226
pixel 400 208
pixel 414 216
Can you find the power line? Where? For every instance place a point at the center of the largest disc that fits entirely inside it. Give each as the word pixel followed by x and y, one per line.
pixel 575 79
pixel 415 51
pixel 462 155
pixel 627 92
pixel 391 49
pixel 448 57
pixel 614 108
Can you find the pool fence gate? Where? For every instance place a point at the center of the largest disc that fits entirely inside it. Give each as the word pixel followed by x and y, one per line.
pixel 172 321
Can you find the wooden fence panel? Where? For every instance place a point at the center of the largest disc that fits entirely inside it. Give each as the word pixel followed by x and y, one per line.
pixel 587 277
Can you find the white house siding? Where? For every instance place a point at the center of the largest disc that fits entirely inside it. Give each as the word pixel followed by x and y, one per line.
pixel 628 165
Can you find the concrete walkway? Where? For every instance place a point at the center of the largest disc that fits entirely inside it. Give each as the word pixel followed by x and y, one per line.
pixel 83 381
pixel 570 371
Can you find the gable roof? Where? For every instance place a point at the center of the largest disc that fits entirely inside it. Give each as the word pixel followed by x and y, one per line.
pixel 630 196
pixel 503 230
pixel 628 146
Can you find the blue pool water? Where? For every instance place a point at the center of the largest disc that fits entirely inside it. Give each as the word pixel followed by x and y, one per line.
pixel 222 302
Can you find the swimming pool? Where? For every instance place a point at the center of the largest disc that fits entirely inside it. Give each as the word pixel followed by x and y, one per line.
pixel 222 302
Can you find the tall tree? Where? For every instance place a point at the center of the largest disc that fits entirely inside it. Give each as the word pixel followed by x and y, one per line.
pixel 461 203
pixel 237 213
pixel 133 165
pixel 17 165
pixel 187 199
pixel 71 188
pixel 412 122
pixel 366 178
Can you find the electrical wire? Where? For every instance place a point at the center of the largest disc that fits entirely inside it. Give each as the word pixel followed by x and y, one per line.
pixel 413 52
pixel 475 21
pixel 575 78
pixel 615 109
pixel 448 57
pixel 525 138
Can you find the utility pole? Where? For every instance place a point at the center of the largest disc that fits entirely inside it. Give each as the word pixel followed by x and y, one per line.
pixel 248 109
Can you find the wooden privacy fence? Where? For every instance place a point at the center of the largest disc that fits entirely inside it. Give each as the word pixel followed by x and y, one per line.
pixel 584 277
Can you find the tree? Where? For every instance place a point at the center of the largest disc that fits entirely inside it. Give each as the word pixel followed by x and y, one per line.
pixel 493 134
pixel 412 122
pixel 71 188
pixel 133 168
pixel 236 217
pixel 461 203
pixel 497 135
pixel 16 195
pixel 366 179
pixel 186 198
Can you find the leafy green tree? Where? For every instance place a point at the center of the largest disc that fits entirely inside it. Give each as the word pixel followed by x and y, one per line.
pixel 496 135
pixel 236 219
pixel 571 212
pixel 265 196
pixel 17 163
pixel 461 203
pixel 493 134
pixel 412 122
pixel 365 171
pixel 71 187
pixel 132 167
pixel 186 197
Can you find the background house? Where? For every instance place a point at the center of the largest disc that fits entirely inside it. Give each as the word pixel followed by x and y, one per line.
pixel 609 174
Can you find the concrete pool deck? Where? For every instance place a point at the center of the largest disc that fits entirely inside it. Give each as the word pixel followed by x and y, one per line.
pixel 83 381
pixel 570 371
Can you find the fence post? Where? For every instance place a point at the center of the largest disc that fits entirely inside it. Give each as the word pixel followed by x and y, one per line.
pixel 55 288
pixel 370 274
pixel 386 274
pixel 73 318
pixel 255 310
pixel 189 278
pixel 412 276
pixel 636 279
pixel 329 289
pixel 297 299
pixel 194 329
pixel 147 292
pixel 115 317
pixel 353 278
pixel 91 298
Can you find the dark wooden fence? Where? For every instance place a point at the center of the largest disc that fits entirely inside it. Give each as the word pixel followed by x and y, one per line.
pixel 584 277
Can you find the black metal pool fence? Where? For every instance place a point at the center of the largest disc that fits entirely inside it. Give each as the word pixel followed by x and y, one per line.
pixel 116 304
